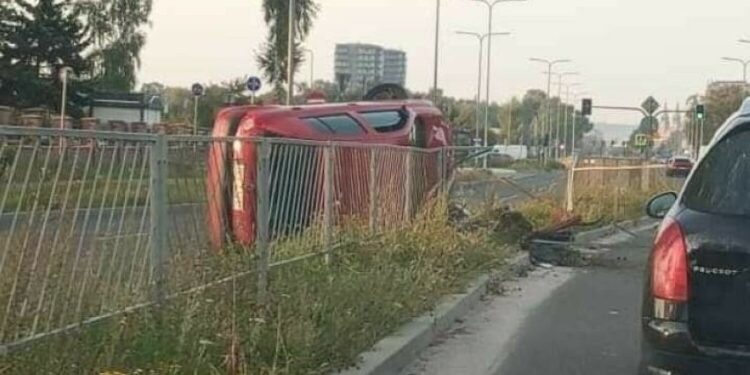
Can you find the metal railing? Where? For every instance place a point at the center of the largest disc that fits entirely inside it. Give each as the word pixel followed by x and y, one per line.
pixel 614 188
pixel 97 224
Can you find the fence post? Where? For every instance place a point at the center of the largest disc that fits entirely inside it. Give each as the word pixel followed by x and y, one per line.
pixel 645 177
pixel 441 169
pixel 571 185
pixel 158 202
pixel 328 198
pixel 408 185
pixel 373 190
pixel 262 208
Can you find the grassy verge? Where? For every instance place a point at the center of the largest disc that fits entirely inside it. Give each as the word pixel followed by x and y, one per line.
pixel 319 318
pixel 116 193
pixel 602 198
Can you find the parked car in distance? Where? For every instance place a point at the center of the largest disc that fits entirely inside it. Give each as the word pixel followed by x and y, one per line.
pixel 679 166
pixel 696 300
pixel 661 159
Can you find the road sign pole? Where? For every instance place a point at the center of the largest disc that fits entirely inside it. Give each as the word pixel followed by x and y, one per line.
pixel 573 140
pixel 700 140
pixel 198 90
pixel 195 116
pixel 253 84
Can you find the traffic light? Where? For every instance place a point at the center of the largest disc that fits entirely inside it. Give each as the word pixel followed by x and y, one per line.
pixel 586 107
pixel 700 111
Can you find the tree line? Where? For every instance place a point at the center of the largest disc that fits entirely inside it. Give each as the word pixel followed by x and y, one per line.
pixel 99 40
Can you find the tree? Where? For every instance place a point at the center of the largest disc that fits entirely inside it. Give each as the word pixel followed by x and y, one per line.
pixel 180 100
pixel 116 30
pixel 273 55
pixel 38 39
pixel 153 88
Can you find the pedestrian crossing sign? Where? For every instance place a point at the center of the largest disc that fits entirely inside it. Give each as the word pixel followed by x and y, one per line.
pixel 641 140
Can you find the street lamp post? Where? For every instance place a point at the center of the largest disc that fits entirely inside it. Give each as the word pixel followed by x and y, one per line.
pixel 290 55
pixel 490 7
pixel 744 63
pixel 550 65
pixel 481 38
pixel 437 53
pixel 312 66
pixel 565 124
pixel 560 77
pixel 64 72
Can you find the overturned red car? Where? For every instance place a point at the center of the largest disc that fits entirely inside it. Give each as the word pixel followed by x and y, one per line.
pixel 232 162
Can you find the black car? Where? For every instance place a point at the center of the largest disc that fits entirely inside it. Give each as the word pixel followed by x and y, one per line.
pixel 696 305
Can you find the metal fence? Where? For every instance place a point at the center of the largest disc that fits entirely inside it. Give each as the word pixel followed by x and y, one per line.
pixel 97 224
pixel 614 188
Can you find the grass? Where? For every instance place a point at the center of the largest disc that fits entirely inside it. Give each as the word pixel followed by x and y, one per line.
pixel 319 318
pixel 603 197
pixel 120 193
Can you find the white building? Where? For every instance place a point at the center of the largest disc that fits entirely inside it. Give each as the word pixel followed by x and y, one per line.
pixel 368 65
pixel 126 107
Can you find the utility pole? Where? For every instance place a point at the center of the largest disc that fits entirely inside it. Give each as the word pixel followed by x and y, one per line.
pixel 550 64
pixel 481 38
pixel 290 54
pixel 312 67
pixel 565 123
pixel 510 123
pixel 490 9
pixel 437 53
pixel 559 104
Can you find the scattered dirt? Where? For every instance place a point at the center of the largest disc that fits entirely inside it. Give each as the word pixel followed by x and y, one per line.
pixel 505 226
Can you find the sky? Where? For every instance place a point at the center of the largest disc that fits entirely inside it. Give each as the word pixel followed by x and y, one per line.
pixel 624 50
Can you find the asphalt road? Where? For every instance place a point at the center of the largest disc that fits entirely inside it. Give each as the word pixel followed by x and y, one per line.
pixel 537 183
pixel 590 325
pixel 556 320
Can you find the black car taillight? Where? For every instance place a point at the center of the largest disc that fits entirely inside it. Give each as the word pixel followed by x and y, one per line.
pixel 669 268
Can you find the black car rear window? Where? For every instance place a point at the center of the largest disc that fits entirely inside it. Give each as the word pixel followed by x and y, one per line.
pixel 318 126
pixel 721 183
pixel 339 124
pixel 385 121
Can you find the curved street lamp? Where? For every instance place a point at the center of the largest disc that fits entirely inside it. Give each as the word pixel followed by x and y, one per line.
pixel 550 64
pixel 480 38
pixel 744 63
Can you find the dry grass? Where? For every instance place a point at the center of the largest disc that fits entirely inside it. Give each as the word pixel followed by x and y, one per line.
pixel 603 197
pixel 320 316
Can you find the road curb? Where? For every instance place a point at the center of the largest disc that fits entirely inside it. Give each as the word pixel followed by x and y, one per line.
pixel 608 230
pixel 393 353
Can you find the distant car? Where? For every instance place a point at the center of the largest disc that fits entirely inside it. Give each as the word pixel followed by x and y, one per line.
pixel 696 301
pixel 679 166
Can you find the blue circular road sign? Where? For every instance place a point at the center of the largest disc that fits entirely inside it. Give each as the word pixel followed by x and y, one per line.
pixel 197 89
pixel 254 84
